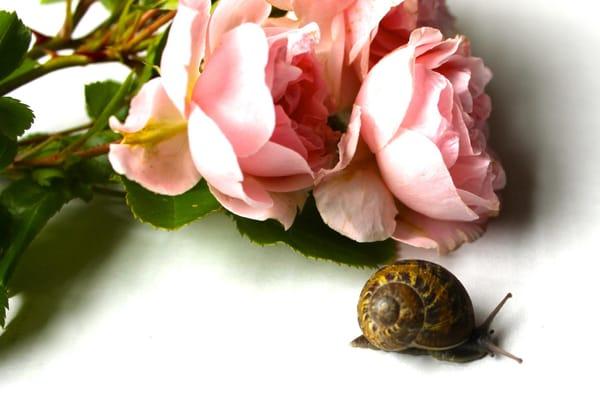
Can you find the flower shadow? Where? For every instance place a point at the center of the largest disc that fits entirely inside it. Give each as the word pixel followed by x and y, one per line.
pixel 52 275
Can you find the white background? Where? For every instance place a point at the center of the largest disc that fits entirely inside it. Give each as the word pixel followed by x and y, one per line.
pixel 107 305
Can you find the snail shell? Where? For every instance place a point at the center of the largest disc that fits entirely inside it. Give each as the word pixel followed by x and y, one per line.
pixel 415 304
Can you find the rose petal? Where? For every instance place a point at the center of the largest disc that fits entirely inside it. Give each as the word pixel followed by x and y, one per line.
pixel 274 160
pixel 165 168
pixel 347 146
pixel 288 183
pixel 284 206
pixel 230 14
pixel 362 19
pixel 431 106
pixel 213 155
pixel 414 170
pixel 184 50
pixel 283 4
pixel 356 203
pixel 233 92
pixel 151 103
pixel 423 232
pixel 385 97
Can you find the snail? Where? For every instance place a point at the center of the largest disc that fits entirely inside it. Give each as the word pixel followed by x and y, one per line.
pixel 418 307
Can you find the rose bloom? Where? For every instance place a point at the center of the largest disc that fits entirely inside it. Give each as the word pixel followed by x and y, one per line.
pixel 415 164
pixel 358 33
pixel 253 123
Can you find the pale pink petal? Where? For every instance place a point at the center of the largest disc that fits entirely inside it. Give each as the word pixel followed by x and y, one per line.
pixel 322 12
pixel 385 97
pixel 151 103
pixel 333 60
pixel 445 236
pixel 165 168
pixel 437 55
pixel 284 133
pixel 414 170
pixel 213 155
pixel 274 160
pixel 230 14
pixel 283 4
pixel 287 183
pixel 284 206
pixel 297 41
pixel 430 110
pixel 233 92
pixel 347 145
pixel 362 19
pixel 356 203
pixel 424 39
pixel 180 64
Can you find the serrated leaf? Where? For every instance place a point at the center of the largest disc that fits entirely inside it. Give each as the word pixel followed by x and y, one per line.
pixel 311 237
pixel 98 95
pixel 30 206
pixel 14 42
pixel 15 117
pixel 169 212
pixel 8 151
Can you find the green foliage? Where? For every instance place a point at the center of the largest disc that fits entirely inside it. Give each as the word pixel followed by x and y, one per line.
pixel 26 65
pixel 28 207
pixel 169 212
pixel 15 118
pixel 98 95
pixel 3 305
pixel 8 151
pixel 311 237
pixel 14 42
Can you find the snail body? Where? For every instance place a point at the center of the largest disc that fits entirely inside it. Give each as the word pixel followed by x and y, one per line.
pixel 418 307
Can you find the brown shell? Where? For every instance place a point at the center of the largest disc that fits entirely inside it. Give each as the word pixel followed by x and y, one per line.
pixel 433 309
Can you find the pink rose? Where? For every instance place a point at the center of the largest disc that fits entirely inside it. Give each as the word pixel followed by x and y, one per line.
pixel 357 33
pixel 253 123
pixel 421 172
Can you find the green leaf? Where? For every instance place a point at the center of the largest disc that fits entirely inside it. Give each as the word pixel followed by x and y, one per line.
pixel 29 207
pixel 14 42
pixel 311 237
pixel 8 151
pixel 3 305
pixel 169 212
pixel 98 95
pixel 27 65
pixel 111 5
pixel 15 117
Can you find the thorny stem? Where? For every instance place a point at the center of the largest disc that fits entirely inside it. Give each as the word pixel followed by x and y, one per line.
pixel 57 159
pixel 55 64
pixel 150 29
pixel 68 27
pixel 40 138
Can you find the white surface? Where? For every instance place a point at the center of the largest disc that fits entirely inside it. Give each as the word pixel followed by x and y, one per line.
pixel 107 305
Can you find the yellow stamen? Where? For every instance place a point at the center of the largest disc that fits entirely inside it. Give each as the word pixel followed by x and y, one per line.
pixel 155 133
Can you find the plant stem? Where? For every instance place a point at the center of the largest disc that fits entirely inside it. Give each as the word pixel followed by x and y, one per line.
pixel 57 159
pixel 68 27
pixel 150 29
pixel 57 63
pixel 40 138
pixel 104 116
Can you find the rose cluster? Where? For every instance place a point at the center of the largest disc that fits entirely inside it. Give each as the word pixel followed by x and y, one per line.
pixel 375 107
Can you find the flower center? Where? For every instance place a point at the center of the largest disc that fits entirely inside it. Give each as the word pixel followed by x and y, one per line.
pixel 155 133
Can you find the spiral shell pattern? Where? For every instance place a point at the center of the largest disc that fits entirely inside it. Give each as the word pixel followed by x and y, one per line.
pixel 415 304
